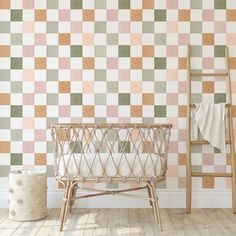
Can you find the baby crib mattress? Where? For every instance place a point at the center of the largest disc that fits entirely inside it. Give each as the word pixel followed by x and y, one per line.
pixel 87 166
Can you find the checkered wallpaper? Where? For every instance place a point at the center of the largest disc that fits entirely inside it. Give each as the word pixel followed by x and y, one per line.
pixel 109 61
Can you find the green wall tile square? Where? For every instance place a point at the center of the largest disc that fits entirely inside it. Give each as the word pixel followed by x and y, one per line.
pixel 112 87
pixel 100 75
pixel 147 120
pixel 16 39
pixel 219 97
pixel 220 4
pixel 76 146
pixel 100 51
pixel 50 147
pixel 5 75
pixel 196 168
pixel 160 15
pixel 124 4
pixel 160 63
pixel 216 150
pixel 52 51
pixel 196 4
pixel 148 27
pixel 76 4
pixel 160 39
pixel 124 99
pixel 16 15
pixel 4 27
pixel 100 4
pixel 100 99
pixel 100 27
pixel 99 120
pixel 16 159
pixel 124 146
pixel 196 98
pixel 52 4
pixel 112 185
pixel 112 39
pixel 16 63
pixel 76 99
pixel 219 50
pixel 16 111
pixel 52 75
pixel 148 75
pixel 52 27
pixel 160 111
pixel 16 87
pixel 51 120
pixel 52 99
pixel 16 134
pixel 4 170
pixel 196 27
pixel 197 148
pixel 76 51
pixel 124 51
pixel 196 50
pixel 160 87
pixel 50 171
pixel 4 123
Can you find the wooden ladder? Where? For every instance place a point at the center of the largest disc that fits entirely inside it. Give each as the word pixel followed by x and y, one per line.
pixel 189 172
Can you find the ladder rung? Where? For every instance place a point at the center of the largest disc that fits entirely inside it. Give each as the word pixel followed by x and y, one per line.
pixel 194 106
pixel 209 74
pixel 198 142
pixel 202 174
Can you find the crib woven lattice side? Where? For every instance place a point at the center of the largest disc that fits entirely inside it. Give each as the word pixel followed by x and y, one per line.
pixel 108 152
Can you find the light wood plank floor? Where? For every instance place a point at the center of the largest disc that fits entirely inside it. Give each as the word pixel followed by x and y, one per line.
pixel 125 222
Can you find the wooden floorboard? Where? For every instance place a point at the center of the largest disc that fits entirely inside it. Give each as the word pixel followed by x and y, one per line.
pixel 125 222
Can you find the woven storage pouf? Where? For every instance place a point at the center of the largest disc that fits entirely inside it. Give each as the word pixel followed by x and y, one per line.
pixel 27 195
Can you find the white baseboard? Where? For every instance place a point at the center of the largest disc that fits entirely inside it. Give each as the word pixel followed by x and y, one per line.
pixel 168 198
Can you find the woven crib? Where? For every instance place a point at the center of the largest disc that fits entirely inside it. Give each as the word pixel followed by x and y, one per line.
pixel 107 153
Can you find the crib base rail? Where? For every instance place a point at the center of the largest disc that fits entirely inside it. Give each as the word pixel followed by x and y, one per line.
pixel 71 187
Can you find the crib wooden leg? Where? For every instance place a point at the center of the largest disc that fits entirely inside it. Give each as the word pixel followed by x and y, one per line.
pixel 64 206
pixel 155 206
pixel 149 195
pixel 73 195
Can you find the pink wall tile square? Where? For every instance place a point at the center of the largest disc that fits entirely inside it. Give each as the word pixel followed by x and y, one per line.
pixel 76 27
pixel 28 123
pixel 172 4
pixel 28 147
pixel 28 75
pixel 172 75
pixel 64 111
pixel 220 27
pixel 172 171
pixel 40 135
pixel 76 74
pixel 231 39
pixel 40 39
pixel 88 39
pixel 136 87
pixel 112 15
pixel 208 63
pixel 182 135
pixel 182 87
pixel 124 27
pixel 136 39
pixel 172 51
pixel 112 63
pixel 208 15
pixel 172 99
pixel 184 39
pixel 28 99
pixel 28 27
pixel 40 87
pixel 64 63
pixel 64 15
pixel 28 4
pixel 172 27
pixel 112 111
pixel 208 159
pixel 124 75
pixel 88 87
pixel 28 51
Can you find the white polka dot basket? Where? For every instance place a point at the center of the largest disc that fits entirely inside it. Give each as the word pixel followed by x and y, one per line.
pixel 27 195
